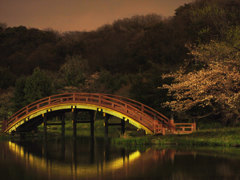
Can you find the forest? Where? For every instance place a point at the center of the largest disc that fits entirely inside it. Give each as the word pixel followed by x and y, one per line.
pixel 186 65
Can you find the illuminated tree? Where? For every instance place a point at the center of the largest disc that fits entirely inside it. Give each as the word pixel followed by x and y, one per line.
pixel 215 82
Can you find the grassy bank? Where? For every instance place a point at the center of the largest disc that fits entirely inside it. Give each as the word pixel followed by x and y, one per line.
pixel 222 137
pixel 227 137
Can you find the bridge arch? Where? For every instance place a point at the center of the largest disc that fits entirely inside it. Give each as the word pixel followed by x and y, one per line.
pixel 136 113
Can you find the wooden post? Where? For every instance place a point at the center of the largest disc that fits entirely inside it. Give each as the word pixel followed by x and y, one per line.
pixel 163 130
pixel 107 116
pixel 62 116
pixel 45 124
pixel 172 125
pixel 122 126
pixel 74 120
pixel 194 126
pixel 92 120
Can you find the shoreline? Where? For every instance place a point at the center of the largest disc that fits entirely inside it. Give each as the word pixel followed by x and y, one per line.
pixel 220 137
pixel 224 137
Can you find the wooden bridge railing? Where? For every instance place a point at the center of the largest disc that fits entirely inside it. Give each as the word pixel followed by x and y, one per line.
pixel 184 128
pixel 145 115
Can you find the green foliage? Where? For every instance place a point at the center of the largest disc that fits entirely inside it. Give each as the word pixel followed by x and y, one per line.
pixel 205 20
pixel 6 104
pixel 228 137
pixel 74 71
pixel 233 36
pixel 214 51
pixel 37 86
pixel 209 21
pixel 18 98
pixel 111 82
pixel 132 141
pixel 32 88
pixel 23 49
pixel 222 137
pixel 145 89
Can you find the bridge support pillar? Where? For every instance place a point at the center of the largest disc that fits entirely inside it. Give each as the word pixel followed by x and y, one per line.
pixel 122 126
pixel 45 125
pixel 74 120
pixel 62 118
pixel 92 120
pixel 107 117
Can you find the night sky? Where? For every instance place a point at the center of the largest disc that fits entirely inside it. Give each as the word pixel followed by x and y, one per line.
pixel 79 15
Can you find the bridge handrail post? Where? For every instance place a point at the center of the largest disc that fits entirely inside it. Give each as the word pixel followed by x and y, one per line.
pixel 154 126
pixel 163 130
pixel 142 107
pixel 99 99
pixel 74 97
pixel 194 126
pixel 125 107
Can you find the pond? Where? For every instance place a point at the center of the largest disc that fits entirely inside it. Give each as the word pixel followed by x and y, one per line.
pixel 94 158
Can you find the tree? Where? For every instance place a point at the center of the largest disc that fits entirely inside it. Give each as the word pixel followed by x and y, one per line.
pixel 205 20
pixel 18 95
pixel 214 84
pixel 37 86
pixel 74 71
pixel 6 104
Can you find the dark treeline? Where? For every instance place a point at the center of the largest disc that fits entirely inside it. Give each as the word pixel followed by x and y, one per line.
pixel 127 46
pixel 127 57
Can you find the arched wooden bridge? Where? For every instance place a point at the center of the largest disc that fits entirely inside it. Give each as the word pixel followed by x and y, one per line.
pixel 138 114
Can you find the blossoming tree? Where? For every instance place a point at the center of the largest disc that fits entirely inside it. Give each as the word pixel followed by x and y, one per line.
pixel 214 83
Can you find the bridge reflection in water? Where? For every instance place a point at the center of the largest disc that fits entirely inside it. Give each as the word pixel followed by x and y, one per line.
pixel 72 160
pixel 77 165
pixel 98 160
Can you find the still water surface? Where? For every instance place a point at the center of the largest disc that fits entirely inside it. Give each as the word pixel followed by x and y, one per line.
pixel 86 158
